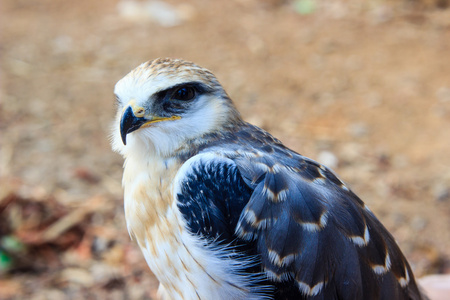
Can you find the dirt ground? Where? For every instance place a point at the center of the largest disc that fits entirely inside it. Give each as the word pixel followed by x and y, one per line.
pixel 363 86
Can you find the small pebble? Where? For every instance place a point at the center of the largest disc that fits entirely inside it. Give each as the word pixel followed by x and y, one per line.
pixel 358 130
pixel 78 276
pixel 328 159
pixel 159 12
pixel 441 192
pixel 418 223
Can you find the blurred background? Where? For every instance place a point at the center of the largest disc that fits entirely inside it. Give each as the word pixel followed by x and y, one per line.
pixel 362 86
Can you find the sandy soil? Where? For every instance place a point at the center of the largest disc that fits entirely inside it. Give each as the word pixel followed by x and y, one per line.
pixel 364 88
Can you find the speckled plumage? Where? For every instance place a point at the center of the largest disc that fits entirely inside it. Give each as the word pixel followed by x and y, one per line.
pixel 221 209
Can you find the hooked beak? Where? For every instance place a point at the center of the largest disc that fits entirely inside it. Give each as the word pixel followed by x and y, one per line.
pixel 129 122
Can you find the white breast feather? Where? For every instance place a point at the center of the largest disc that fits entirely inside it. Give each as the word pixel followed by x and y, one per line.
pixel 186 266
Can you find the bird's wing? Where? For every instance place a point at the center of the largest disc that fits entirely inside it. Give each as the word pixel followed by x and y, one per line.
pixel 308 226
pixel 309 230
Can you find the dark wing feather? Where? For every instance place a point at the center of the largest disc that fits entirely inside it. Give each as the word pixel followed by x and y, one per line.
pixel 315 238
pixel 311 230
pixel 211 199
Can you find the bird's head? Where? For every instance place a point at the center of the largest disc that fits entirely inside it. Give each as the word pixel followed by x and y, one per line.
pixel 164 103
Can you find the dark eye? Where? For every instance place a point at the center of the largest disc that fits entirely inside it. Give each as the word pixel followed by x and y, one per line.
pixel 184 93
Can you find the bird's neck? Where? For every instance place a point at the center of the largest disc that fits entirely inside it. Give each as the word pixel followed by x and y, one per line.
pixel 147 191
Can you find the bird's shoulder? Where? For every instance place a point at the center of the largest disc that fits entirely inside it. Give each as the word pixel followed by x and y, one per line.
pixel 211 194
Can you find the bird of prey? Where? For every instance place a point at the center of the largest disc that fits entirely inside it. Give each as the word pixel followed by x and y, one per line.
pixel 223 210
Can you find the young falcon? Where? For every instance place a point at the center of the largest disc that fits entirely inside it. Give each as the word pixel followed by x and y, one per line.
pixel 223 210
